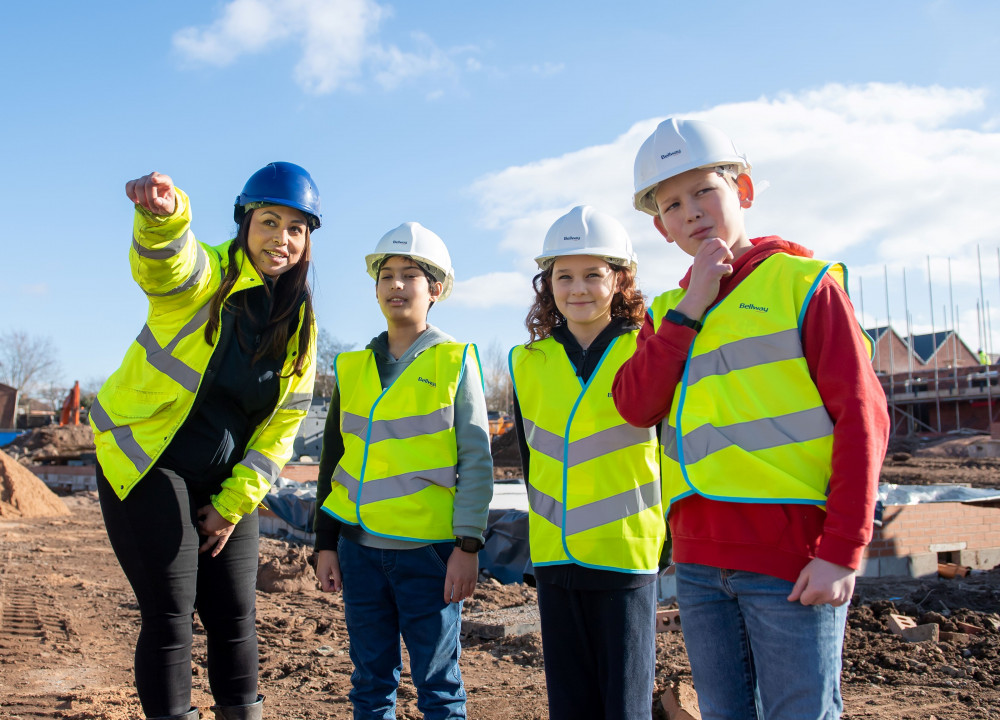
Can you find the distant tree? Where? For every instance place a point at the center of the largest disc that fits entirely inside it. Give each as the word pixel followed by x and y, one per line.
pixel 499 387
pixel 327 348
pixel 27 362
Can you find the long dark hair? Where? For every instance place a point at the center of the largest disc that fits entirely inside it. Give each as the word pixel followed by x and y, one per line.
pixel 292 291
pixel 544 316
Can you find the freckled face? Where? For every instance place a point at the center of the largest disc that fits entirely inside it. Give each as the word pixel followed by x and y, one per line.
pixel 277 238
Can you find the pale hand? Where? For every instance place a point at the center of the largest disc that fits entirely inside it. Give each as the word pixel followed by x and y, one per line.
pixel 328 571
pixel 823 583
pixel 153 192
pixel 463 571
pixel 214 528
pixel 711 264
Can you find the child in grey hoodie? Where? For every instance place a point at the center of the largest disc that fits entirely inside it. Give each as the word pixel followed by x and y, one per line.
pixel 405 482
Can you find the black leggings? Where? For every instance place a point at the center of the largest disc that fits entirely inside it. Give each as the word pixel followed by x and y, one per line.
pixel 154 535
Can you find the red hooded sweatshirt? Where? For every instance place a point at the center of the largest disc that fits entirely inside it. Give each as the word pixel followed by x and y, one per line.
pixel 776 539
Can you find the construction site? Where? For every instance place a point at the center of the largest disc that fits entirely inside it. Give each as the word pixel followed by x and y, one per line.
pixel 923 637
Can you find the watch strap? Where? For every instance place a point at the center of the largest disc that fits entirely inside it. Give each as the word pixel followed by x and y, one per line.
pixel 469 544
pixel 678 318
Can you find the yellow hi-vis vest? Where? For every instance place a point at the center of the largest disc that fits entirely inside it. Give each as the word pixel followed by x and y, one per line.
pixel 747 423
pixel 398 473
pixel 144 403
pixel 594 489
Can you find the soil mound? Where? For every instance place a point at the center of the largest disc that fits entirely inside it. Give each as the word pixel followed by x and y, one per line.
pixel 23 495
pixel 52 444
pixel 284 568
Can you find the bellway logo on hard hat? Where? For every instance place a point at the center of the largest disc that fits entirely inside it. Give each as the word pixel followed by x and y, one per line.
pixel 675 147
pixel 413 240
pixel 586 231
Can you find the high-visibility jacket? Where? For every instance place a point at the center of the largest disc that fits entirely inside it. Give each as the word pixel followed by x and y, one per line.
pixel 145 402
pixel 747 423
pixel 593 485
pixel 399 469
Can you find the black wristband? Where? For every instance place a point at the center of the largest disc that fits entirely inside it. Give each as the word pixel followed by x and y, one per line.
pixel 679 318
pixel 469 544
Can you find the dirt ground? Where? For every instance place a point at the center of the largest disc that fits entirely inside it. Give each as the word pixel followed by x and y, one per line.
pixel 68 622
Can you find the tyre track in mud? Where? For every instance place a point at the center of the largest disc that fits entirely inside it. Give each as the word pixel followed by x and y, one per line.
pixel 48 612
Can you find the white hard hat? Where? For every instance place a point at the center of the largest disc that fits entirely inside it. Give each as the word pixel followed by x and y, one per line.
pixel 675 147
pixel 586 231
pixel 413 240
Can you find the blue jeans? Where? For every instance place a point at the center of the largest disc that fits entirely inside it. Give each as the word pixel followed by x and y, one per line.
pixel 388 593
pixel 600 651
pixel 754 654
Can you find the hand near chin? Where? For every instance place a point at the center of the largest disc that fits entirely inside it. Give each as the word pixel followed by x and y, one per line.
pixel 711 264
pixel 153 192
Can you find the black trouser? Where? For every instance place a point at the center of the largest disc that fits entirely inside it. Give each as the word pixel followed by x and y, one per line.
pixel 599 648
pixel 154 535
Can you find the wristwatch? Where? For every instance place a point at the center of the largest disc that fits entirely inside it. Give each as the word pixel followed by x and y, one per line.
pixel 469 544
pixel 679 318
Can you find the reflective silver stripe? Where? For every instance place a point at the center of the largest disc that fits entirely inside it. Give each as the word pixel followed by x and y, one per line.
pixel 752 435
pixel 199 319
pixel 414 425
pixel 297 401
pixel 601 512
pixel 123 436
pixel 262 464
pixel 348 481
pixel 614 508
pixel 593 446
pixel 545 506
pixel 745 353
pixel 397 486
pixel 162 360
pixel 400 428
pixel 668 440
pixel 545 442
pixel 606 442
pixel 354 424
pixel 167 251
pixel 201 262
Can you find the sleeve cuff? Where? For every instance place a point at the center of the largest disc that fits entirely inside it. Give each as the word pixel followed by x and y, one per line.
pixel 229 504
pixel 840 551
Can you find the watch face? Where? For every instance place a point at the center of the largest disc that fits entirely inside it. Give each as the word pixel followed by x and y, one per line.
pixel 469 544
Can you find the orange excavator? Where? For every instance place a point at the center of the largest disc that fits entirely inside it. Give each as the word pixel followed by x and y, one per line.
pixel 71 407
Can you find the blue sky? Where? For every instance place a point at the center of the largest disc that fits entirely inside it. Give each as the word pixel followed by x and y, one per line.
pixel 873 129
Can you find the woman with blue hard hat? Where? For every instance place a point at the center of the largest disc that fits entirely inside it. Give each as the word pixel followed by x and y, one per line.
pixel 198 421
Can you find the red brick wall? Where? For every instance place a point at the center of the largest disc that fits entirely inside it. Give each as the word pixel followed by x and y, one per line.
pixel 900 355
pixel 912 529
pixel 300 473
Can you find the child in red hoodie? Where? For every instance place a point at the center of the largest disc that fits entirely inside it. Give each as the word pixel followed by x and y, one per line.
pixel 773 430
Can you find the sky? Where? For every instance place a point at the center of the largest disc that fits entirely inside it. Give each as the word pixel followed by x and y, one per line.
pixel 873 130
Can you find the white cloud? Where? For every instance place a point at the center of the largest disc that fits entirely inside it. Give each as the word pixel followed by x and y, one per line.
pixel 874 175
pixel 338 40
pixel 548 69
pixel 35 290
pixel 496 289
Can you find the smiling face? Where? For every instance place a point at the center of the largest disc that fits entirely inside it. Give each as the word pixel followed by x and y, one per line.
pixel 277 238
pixel 701 204
pixel 404 292
pixel 583 287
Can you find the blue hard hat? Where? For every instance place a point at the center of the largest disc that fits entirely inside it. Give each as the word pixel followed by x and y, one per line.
pixel 281 183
